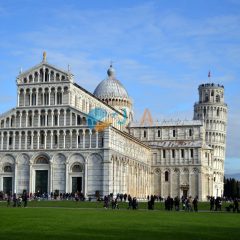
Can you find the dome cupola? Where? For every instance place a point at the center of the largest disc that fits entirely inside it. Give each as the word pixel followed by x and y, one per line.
pixel 112 92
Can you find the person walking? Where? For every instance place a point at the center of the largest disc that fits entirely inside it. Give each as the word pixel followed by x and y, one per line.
pixel 195 204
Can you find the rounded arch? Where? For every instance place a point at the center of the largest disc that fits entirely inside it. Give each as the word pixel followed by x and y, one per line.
pixel 96 156
pixel 8 168
pixel 23 159
pixel 76 157
pixel 8 158
pixel 37 155
pixel 77 167
pixel 59 158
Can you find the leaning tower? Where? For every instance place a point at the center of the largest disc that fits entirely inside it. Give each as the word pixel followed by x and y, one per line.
pixel 212 110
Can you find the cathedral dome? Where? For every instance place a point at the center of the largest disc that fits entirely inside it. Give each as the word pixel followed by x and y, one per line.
pixel 111 87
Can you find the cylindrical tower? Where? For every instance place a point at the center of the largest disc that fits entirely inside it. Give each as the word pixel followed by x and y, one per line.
pixel 213 111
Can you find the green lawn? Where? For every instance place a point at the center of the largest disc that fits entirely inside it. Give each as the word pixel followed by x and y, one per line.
pixel 123 205
pixel 67 223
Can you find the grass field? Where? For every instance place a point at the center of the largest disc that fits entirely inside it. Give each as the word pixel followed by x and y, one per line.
pixel 122 205
pixel 59 220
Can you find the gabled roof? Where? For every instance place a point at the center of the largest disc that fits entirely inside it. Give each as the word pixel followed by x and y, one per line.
pixel 98 99
pixel 41 64
pixel 5 114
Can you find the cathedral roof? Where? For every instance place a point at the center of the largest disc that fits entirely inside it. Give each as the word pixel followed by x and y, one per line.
pixel 165 123
pixel 111 87
pixel 5 114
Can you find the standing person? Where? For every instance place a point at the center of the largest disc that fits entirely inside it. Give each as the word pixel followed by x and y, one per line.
pixel 177 203
pixel 130 202
pixel 105 202
pixel 134 203
pixel 212 200
pixel 151 203
pixel 190 203
pixel 14 200
pixel 235 205
pixel 195 204
pixel 8 199
pixel 25 198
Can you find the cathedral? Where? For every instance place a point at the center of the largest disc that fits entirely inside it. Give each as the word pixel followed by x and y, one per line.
pixel 61 137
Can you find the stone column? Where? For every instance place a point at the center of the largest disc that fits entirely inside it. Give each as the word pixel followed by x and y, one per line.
pixel 8 136
pixel 43 74
pixel 86 180
pixel 62 91
pixel 70 118
pixel 15 125
pixel 179 187
pixel 71 138
pixel 49 96
pixel 37 97
pixel 189 182
pixel 26 123
pixel 67 178
pixel 58 118
pixel 30 93
pixel 96 139
pixel 45 140
pixel 15 177
pixel 52 117
pixel 200 192
pixel 77 135
pixel 51 177
pixel 2 135
pixel 20 140
pixel 26 138
pixel 51 139
pixel 90 138
pixel 65 117
pixel 32 139
pixel 38 139
pixel 58 139
pixel 69 97
pixel 30 178
pixel 83 138
pixel 46 119
pixel 24 97
pixel 64 139
pixel 20 119
pixel 170 182
pixel 14 140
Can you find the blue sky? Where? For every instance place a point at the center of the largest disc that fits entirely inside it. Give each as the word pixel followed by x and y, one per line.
pixel 162 51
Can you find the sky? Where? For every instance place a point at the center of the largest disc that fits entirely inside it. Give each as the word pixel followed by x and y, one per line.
pixel 161 51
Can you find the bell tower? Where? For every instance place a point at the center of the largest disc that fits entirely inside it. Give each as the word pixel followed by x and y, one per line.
pixel 212 110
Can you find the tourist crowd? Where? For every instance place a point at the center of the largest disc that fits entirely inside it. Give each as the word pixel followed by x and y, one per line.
pixel 185 203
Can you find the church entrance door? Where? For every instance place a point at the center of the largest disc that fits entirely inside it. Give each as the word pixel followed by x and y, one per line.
pixel 41 181
pixel 76 184
pixel 7 184
pixel 185 193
